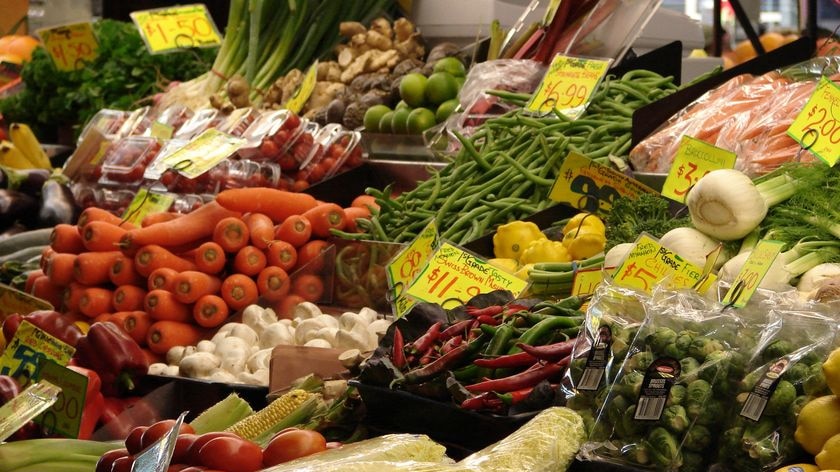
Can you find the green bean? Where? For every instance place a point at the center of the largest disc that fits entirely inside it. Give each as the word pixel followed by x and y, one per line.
pixel 528 175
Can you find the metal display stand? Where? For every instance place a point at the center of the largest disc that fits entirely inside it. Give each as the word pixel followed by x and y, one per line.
pixel 744 21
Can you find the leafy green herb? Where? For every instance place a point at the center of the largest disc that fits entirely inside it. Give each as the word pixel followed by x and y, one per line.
pixel 629 218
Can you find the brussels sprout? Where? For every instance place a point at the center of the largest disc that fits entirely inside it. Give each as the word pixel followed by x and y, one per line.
pixel 674 419
pixel 758 431
pixel 601 397
pixel 777 349
pixel 781 399
pixel 698 438
pixel 688 369
pixel 731 443
pixel 639 361
pixel 576 368
pixel 588 420
pixel 631 384
pixel 764 452
pixel 697 395
pixel 676 396
pixel 737 365
pixel 710 413
pixel 637 452
pixel 815 383
pixel 693 462
pixel 629 424
pixel 796 374
pixel 813 357
pixel 788 447
pixel 702 346
pixel 664 448
pixel 579 401
pixel 715 368
pixel 600 432
pixel 795 407
pixel 660 338
pixel 615 408
pixel 679 348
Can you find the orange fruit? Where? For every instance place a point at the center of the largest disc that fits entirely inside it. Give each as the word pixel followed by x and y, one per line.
pixel 771 40
pixel 18 45
pixel 744 50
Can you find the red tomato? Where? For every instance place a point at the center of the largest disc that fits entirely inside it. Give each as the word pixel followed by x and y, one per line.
pixel 159 429
pixel 106 461
pixel 201 440
pixel 231 454
pixel 290 445
pixel 122 464
pixel 182 447
pixel 268 148
pixel 177 467
pixel 315 174
pixel 134 442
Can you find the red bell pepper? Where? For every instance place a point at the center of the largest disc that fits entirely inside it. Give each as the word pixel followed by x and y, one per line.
pixel 94 402
pixel 53 322
pixel 117 358
pixel 10 388
pixel 121 415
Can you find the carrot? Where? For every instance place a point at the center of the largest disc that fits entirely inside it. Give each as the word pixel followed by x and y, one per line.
pixel 191 285
pixel 162 279
pixel 231 233
pixel 163 306
pixel 122 272
pixel 118 318
pixel 65 238
pixel 129 298
pixel 239 291
pixel 261 228
pixel 276 204
pixel 136 324
pixel 325 217
pixel 102 236
pixel 152 257
pixel 295 230
pixel 281 254
pixel 351 214
pixel 98 214
pixel 95 301
pixel 182 230
pixel 210 258
pixel 159 217
pixel 210 311
pixel 365 201
pixel 308 286
pixel 45 255
pixel 310 255
pixel 103 317
pixel 72 295
pixel 30 279
pixel 164 335
pixel 46 290
pixel 59 268
pixel 93 268
pixel 273 283
pixel 249 261
pixel 286 306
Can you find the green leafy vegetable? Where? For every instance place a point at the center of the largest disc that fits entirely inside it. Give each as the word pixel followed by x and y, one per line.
pixel 629 218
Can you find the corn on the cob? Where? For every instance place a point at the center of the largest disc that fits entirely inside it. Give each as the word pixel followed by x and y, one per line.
pixel 223 414
pixel 292 408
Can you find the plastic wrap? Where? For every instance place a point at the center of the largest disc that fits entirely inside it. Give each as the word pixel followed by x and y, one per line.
pixel 663 411
pixel 783 376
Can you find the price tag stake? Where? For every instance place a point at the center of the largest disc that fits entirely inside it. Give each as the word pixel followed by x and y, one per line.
pixel 752 273
pixel 404 267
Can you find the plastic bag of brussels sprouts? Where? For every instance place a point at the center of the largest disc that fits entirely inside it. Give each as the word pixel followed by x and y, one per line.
pixel 612 321
pixel 668 399
pixel 782 376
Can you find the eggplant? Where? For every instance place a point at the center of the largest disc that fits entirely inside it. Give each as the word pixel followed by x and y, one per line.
pixel 16 207
pixel 57 204
pixel 28 181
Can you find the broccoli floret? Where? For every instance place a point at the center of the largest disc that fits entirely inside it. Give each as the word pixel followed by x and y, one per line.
pixel 629 217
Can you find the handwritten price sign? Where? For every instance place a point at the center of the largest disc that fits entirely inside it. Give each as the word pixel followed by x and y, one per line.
pixel 694 159
pixel 649 264
pixel 170 29
pixel 589 186
pixel 568 85
pixel 817 127
pixel 65 416
pixel 28 349
pixel 405 266
pixel 752 273
pixel 70 46
pixel 453 276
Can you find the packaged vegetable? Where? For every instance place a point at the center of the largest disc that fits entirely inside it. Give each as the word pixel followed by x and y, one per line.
pixel 782 377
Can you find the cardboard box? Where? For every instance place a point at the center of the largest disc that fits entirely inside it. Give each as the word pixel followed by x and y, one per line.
pixel 289 363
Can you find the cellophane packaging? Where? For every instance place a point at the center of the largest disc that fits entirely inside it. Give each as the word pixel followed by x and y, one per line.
pixel 782 376
pixel 664 409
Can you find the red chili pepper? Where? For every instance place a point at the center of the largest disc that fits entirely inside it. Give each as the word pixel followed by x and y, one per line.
pixel 398 350
pixel 428 356
pixel 94 402
pixel 458 328
pixel 424 342
pixel 549 352
pixel 53 322
pixel 484 401
pixel 451 344
pixel 488 320
pixel 529 378
pixel 486 311
pixel 513 309
pixel 117 358
pixel 10 388
pixel 520 359
pixel 438 365
pixel 512 398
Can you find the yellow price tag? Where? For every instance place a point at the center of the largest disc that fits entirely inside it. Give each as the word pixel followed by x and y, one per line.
pixel 694 159
pixel 648 264
pixel 202 153
pixel 70 46
pixel 405 266
pixel 162 130
pixel 752 273
pixel 586 185
pixel 586 281
pixel 568 85
pixel 28 349
pixel 146 203
pixel 172 28
pixel 15 301
pixel 302 94
pixel 65 416
pixel 817 127
pixel 453 276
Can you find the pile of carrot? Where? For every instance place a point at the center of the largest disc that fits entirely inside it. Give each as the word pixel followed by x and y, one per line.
pixel 171 280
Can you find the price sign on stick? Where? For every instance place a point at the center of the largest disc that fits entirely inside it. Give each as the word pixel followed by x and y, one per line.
pixel 817 127
pixel 405 266
pixel 649 263
pixel 752 273
pixel 568 85
pixel 694 159
pixel 173 28
pixel 65 416
pixel 70 46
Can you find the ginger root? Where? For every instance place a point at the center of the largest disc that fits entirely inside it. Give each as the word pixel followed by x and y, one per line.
pixel 329 71
pixel 379 41
pixel 358 66
pixel 291 82
pixel 403 29
pixel 383 27
pixel 411 47
pixel 348 29
pixel 385 59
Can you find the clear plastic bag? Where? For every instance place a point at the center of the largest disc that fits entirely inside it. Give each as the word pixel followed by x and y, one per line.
pixel 783 375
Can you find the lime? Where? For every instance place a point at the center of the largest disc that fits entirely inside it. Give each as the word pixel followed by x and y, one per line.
pixel 460 81
pixel 445 109
pixel 399 122
pixel 385 122
pixel 373 116
pixel 441 87
pixel 402 104
pixel 452 65
pixel 420 119
pixel 413 88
